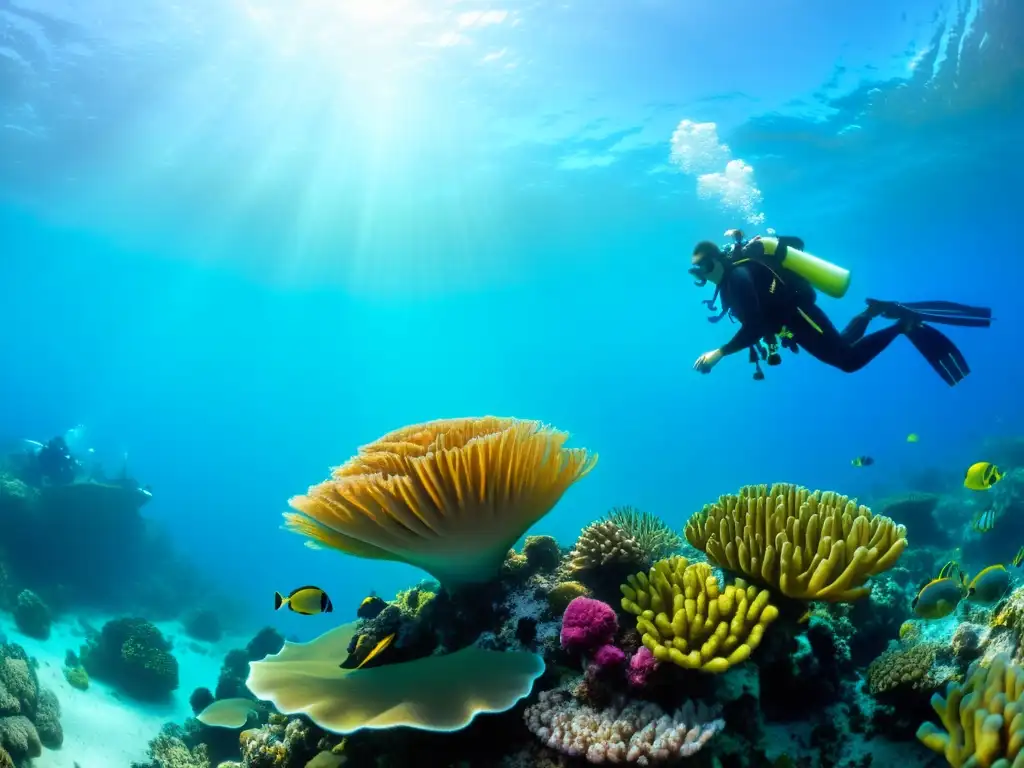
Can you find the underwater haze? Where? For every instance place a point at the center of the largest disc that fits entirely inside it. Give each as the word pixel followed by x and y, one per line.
pixel 239 239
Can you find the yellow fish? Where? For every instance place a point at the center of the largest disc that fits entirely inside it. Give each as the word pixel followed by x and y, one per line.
pixel 984 521
pixel 377 649
pixel 939 597
pixel 912 437
pixel 982 476
pixel 989 585
pixel 305 600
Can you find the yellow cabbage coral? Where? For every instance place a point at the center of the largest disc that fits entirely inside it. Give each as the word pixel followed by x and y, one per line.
pixel 449 496
pixel 685 616
pixel 983 718
pixel 812 546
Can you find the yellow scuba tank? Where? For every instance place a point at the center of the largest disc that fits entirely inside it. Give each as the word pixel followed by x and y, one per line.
pixel 823 275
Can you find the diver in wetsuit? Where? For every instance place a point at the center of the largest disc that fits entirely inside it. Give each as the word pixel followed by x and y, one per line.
pixel 758 288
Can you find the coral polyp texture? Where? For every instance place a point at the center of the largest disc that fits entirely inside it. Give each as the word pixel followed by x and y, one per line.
pixel 919 666
pixel 687 618
pixel 604 543
pixel 652 534
pixel 636 732
pixel 450 496
pixel 983 718
pixel 808 545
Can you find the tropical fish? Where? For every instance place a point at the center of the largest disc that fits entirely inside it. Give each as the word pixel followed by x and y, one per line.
pixel 371 607
pixel 305 600
pixel 912 437
pixel 939 597
pixel 227 713
pixel 951 570
pixel 989 585
pixel 984 521
pixel 377 649
pixel 863 461
pixel 982 476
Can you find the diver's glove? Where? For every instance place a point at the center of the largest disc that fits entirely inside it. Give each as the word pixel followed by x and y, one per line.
pixel 707 361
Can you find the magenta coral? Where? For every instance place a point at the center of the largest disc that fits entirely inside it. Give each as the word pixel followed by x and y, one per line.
pixel 588 624
pixel 641 665
pixel 609 656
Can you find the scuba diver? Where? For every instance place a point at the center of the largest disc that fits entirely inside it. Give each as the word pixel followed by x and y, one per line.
pixel 55 462
pixel 768 285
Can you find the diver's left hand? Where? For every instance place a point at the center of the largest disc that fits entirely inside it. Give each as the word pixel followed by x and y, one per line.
pixel 707 361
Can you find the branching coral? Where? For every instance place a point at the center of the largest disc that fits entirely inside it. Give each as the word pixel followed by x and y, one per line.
pixel 686 617
pixel 601 544
pixel 655 539
pixel 449 496
pixel 637 732
pixel 920 666
pixel 812 546
pixel 983 718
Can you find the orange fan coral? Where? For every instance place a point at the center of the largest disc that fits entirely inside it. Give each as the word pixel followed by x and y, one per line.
pixel 449 496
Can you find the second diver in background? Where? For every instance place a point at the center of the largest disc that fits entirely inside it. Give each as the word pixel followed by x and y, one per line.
pixel 768 285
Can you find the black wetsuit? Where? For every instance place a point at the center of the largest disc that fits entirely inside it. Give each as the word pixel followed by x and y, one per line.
pixel 764 300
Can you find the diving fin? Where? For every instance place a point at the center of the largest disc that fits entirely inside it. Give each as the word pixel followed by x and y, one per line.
pixel 941 312
pixel 941 353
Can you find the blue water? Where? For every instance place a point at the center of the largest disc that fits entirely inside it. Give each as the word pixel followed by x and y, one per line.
pixel 240 239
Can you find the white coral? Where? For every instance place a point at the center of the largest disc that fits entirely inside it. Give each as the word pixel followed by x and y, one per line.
pixel 635 732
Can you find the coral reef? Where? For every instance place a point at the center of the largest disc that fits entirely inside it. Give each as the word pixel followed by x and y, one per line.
pixel 449 496
pixel 983 718
pixel 601 544
pixel 100 551
pixel 77 677
pixel 793 645
pixel 203 624
pixel 588 624
pixel 685 616
pixel 170 751
pixel 920 666
pixel 31 615
pixel 563 593
pixel 652 535
pixel 813 546
pixel 634 732
pixel 132 654
pixel 231 681
pixel 29 713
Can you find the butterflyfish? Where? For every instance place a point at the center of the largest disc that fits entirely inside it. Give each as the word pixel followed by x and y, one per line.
pixel 305 600
pixel 982 476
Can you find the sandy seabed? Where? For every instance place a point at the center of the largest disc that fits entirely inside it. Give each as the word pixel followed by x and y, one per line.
pixel 103 728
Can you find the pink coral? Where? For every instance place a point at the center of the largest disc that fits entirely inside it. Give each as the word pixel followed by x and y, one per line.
pixel 609 656
pixel 588 624
pixel 633 732
pixel 641 665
